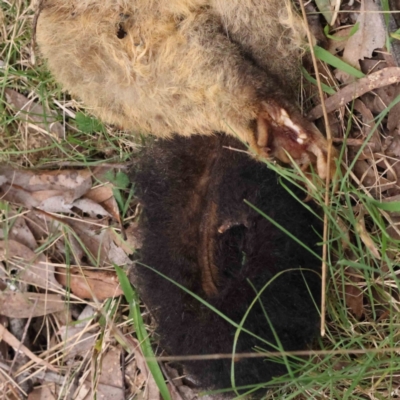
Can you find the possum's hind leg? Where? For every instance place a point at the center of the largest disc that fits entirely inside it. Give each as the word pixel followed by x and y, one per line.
pixel 272 35
pixel 290 137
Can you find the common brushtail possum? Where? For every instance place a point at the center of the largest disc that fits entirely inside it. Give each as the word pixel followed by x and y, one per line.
pixel 200 232
pixel 186 67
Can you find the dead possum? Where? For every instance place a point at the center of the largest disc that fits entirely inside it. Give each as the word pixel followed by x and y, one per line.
pixel 199 231
pixel 186 66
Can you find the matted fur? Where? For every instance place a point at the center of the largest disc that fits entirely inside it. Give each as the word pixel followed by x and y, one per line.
pixel 185 66
pixel 199 232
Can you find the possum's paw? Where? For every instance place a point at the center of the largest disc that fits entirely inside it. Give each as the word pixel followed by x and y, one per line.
pixel 287 137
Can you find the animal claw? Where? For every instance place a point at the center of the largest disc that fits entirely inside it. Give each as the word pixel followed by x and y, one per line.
pixel 288 136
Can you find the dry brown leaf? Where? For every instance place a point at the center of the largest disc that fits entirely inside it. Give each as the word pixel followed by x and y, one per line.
pixel 98 284
pixel 174 392
pixel 17 195
pixel 91 208
pixel 152 391
pixel 77 342
pixel 386 165
pixel 80 338
pixel 134 238
pixel 340 365
pixel 111 371
pixel 44 392
pixel 134 380
pixel 386 76
pixel 368 125
pixel 103 392
pixel 393 145
pixel 72 183
pixel 50 191
pixel 370 179
pixel 42 225
pixel 55 204
pixel 85 316
pixel 175 384
pixel 366 238
pixel 43 195
pixel 21 233
pixel 84 389
pixel 100 194
pixel 73 246
pixel 335 46
pixel 104 195
pixel 99 243
pixel 189 393
pixel 32 268
pixel 95 241
pixel 344 233
pixel 370 35
pixel 117 255
pixel 112 207
pixel 34 113
pixel 393 117
pixel 393 233
pixel 111 383
pixel 25 305
pixel 379 100
pixel 35 394
pixel 354 297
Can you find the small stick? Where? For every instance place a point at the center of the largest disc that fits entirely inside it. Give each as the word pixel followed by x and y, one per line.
pixel 270 354
pixel 328 177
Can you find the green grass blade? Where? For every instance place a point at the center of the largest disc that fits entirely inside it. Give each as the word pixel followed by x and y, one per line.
pixel 133 300
pixel 327 89
pixel 336 62
pixel 392 206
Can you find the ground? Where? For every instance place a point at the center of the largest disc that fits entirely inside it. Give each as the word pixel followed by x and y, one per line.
pixel 77 175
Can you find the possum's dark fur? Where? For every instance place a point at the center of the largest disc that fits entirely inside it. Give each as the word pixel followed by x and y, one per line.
pixel 199 232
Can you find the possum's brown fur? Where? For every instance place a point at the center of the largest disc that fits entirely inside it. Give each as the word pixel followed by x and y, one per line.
pixel 185 66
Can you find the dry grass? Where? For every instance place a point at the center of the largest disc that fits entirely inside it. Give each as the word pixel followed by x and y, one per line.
pixel 360 351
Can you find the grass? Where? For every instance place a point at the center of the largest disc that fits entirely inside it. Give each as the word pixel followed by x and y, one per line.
pixel 135 315
pixel 358 358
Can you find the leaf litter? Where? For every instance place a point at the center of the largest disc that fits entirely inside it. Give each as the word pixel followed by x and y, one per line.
pixel 364 116
pixel 56 219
